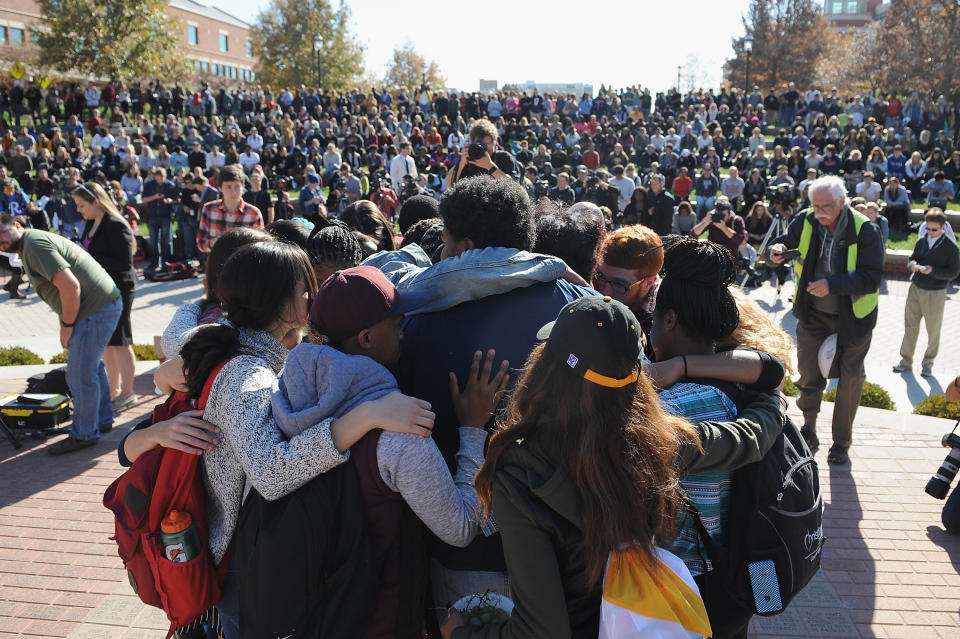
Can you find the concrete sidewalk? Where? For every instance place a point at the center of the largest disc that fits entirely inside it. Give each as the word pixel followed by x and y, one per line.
pixel 889 569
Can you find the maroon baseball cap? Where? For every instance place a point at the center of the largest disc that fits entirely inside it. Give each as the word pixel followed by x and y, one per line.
pixel 352 300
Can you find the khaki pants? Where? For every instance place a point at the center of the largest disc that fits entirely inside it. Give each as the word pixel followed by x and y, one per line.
pixel 926 305
pixel 849 362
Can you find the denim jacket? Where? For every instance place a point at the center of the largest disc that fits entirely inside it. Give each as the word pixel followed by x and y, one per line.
pixel 424 287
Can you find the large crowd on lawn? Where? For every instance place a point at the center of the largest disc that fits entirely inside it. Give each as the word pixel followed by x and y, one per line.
pixel 478 312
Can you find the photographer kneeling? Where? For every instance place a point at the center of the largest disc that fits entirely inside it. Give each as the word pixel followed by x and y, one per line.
pixel 482 157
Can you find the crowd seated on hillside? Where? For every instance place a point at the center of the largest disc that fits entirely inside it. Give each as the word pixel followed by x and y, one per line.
pixel 638 154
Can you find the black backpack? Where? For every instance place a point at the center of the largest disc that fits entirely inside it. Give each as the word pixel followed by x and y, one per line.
pixel 774 528
pixel 305 561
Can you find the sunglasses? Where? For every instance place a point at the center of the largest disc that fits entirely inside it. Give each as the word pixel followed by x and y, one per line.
pixel 617 286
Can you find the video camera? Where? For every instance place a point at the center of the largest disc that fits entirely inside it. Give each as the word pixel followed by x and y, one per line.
pixel 784 194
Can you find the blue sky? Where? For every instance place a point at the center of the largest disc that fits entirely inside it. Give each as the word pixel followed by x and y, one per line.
pixel 616 43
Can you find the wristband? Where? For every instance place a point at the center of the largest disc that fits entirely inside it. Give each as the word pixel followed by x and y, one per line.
pixel 65 325
pixel 684 358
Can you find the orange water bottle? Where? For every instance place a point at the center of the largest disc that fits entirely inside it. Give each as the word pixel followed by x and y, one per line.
pixel 179 537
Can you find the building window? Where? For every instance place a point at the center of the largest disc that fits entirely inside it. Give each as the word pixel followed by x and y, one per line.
pixel 197 66
pixel 206 67
pixel 216 69
pixel 3 35
pixel 836 7
pixel 249 49
pixel 193 36
pixel 853 6
pixel 16 37
pixel 223 41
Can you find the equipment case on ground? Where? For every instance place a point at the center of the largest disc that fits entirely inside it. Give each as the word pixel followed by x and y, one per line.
pixel 35 410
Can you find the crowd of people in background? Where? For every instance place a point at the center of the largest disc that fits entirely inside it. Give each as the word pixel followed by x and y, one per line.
pixel 480 218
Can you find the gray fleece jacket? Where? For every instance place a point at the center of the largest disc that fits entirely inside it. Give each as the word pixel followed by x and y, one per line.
pixel 320 381
pixel 252 449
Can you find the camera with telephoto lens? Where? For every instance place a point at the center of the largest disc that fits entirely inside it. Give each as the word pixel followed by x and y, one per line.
pixel 939 484
pixel 476 151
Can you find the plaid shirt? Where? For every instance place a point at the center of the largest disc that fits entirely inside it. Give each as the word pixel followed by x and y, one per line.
pixel 215 220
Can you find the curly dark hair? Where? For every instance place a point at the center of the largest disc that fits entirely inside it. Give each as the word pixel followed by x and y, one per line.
pixel 489 212
pixel 574 238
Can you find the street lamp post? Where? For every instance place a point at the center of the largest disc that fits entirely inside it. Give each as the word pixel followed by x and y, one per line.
pixel 747 47
pixel 678 78
pixel 318 48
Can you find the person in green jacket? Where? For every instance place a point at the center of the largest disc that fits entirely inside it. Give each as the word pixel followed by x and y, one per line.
pixel 586 461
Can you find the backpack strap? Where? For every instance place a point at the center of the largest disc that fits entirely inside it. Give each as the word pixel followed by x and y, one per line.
pixel 207 385
pixel 706 544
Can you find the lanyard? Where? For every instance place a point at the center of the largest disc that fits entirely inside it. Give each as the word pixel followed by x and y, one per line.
pixel 926 249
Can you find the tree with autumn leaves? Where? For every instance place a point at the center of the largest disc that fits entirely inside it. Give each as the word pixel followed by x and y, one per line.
pixel 114 39
pixel 913 48
pixel 408 69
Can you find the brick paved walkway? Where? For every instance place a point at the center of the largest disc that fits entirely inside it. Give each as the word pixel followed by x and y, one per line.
pixel 889 568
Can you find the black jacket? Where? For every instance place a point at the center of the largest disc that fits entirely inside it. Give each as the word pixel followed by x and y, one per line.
pixel 661 212
pixel 944 258
pixel 111 246
pixel 864 280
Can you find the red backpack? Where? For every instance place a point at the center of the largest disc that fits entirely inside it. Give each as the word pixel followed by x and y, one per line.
pixel 161 480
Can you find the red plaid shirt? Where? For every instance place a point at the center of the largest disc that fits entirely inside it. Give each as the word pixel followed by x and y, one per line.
pixel 215 220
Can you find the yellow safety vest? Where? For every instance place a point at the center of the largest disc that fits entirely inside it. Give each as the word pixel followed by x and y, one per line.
pixel 863 305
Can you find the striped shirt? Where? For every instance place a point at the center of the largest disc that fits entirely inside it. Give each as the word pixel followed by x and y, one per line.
pixel 709 491
pixel 215 220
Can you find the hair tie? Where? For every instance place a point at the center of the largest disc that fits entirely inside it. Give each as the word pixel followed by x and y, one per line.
pixel 226 322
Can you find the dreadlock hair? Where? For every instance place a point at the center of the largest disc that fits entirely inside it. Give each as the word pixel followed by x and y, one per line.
pixel 695 280
pixel 332 249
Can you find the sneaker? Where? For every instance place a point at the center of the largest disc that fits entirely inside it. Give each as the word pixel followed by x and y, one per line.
pixel 119 402
pixel 69 444
pixel 810 437
pixel 106 428
pixel 927 371
pixel 902 367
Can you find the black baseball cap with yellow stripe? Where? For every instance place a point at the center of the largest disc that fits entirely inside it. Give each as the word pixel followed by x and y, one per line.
pixel 595 335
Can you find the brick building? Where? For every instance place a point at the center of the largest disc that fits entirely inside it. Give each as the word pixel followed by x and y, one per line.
pixel 851 14
pixel 216 44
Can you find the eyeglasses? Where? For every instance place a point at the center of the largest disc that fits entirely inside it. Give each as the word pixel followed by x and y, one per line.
pixel 617 286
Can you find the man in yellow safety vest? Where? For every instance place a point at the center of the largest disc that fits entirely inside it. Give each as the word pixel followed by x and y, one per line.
pixel 838 274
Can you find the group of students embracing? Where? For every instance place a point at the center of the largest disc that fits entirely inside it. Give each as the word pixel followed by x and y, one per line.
pixel 501 417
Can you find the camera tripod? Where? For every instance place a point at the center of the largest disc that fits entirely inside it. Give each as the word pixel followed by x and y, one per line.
pixel 777 228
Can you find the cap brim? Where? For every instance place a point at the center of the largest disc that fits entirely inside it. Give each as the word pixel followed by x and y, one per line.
pixel 544 331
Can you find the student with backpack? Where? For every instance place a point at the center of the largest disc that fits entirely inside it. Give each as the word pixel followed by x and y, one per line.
pixel 752 537
pixel 265 291
pixel 403 479
pixel 562 477
pixel 695 310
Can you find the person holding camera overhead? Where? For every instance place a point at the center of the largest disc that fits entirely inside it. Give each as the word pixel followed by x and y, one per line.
pixel 482 156
pixel 723 226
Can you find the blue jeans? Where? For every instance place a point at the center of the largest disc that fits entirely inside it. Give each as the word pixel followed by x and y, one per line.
pixel 86 376
pixel 229 606
pixel 705 203
pixel 160 232
pixel 188 230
